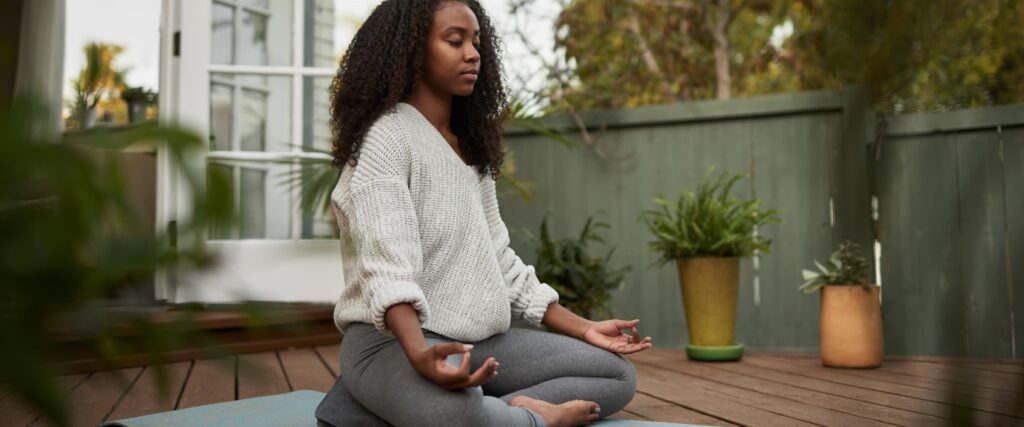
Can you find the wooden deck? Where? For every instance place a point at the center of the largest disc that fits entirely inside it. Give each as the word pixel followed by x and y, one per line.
pixel 762 389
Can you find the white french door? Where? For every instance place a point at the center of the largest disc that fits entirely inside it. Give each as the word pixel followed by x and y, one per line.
pixel 253 75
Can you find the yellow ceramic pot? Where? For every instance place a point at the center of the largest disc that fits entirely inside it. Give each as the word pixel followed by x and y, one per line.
pixel 709 287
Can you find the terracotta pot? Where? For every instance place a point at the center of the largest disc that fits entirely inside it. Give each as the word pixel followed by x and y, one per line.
pixel 709 287
pixel 851 327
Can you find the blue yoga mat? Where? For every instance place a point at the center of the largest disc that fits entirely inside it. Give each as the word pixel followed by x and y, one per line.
pixel 282 410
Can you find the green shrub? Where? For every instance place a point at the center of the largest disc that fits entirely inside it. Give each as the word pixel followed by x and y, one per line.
pixel 710 223
pixel 583 282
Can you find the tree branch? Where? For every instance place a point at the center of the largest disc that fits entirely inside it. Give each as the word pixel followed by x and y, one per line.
pixel 649 59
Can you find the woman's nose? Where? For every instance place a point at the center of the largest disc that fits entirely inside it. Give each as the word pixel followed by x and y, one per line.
pixel 473 55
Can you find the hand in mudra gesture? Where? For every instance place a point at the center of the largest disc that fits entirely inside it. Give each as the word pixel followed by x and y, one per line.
pixel 432 363
pixel 607 334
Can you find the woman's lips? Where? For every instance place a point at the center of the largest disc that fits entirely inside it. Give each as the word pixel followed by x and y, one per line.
pixel 468 76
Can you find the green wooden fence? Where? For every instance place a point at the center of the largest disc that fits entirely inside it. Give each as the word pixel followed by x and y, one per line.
pixel 809 155
pixel 951 212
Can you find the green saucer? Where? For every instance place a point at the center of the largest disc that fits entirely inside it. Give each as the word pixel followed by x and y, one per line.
pixel 715 353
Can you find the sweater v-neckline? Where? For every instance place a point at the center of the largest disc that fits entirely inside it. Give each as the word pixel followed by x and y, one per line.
pixel 438 135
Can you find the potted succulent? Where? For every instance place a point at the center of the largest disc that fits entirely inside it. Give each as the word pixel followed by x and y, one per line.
pixel 851 314
pixel 706 234
pixel 138 99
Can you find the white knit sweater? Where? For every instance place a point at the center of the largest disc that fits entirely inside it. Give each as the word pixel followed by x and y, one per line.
pixel 420 226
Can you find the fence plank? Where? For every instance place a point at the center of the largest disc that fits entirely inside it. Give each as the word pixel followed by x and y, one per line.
pixel 917 211
pixel 981 228
pixel 1013 173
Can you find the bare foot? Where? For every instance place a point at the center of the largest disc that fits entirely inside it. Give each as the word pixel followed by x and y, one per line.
pixel 571 413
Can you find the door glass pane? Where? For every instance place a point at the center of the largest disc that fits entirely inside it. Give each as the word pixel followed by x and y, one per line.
pixel 316 113
pixel 253 120
pixel 241 108
pixel 329 27
pixel 220 230
pixel 221 105
pixel 253 203
pixel 251 32
pixel 316 136
pixel 252 39
pixel 256 3
pixel 222 34
pixel 264 195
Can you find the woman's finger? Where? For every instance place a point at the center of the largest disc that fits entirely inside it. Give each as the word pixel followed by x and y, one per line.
pixel 633 348
pixel 625 324
pixel 464 366
pixel 483 374
pixel 448 349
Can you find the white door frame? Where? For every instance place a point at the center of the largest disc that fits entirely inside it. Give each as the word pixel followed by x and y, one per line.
pixel 267 270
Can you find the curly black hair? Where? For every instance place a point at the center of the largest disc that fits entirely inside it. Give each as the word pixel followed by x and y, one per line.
pixel 380 69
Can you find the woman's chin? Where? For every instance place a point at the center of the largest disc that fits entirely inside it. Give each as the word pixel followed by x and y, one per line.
pixel 464 91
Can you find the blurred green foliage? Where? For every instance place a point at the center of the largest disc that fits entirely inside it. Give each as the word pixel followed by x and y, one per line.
pixel 71 241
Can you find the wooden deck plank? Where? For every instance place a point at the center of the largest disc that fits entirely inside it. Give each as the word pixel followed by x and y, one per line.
pixel 693 395
pixel 654 409
pixel 305 370
pixel 1006 368
pixel 873 380
pixel 904 358
pixel 260 374
pixel 815 383
pixel 331 355
pixel 93 400
pixel 794 403
pixel 896 383
pixel 210 381
pixel 676 360
pixel 952 373
pixel 14 412
pixel 148 397
pixel 995 374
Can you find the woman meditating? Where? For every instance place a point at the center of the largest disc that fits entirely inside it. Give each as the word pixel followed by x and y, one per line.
pixel 431 284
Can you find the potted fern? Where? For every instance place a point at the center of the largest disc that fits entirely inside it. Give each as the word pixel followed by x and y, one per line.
pixel 706 234
pixel 851 314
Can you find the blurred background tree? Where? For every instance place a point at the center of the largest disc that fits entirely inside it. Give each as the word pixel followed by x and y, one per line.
pixel 96 91
pixel 72 239
pixel 911 55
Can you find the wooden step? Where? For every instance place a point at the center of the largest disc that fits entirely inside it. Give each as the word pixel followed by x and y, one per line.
pixel 212 331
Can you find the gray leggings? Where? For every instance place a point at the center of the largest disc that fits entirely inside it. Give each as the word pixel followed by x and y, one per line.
pixel 378 386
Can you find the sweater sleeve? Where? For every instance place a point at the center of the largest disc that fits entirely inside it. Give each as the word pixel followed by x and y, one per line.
pixel 529 298
pixel 383 227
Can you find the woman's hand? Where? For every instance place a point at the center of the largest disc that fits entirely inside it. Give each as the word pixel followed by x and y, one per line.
pixel 432 363
pixel 608 335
